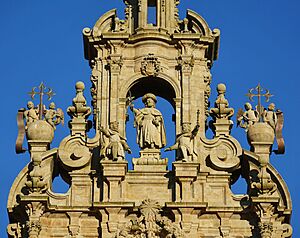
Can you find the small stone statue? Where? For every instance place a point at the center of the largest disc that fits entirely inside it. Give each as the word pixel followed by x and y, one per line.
pixel 79 108
pixel 185 142
pixel 54 117
pixel 247 118
pixel 31 114
pixel 269 116
pixel 149 124
pixel 221 109
pixel 117 145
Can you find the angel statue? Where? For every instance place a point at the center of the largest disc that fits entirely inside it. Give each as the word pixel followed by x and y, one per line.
pixel 247 118
pixel 54 117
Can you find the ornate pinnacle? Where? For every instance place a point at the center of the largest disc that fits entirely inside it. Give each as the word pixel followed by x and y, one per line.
pixel 43 90
pixel 261 92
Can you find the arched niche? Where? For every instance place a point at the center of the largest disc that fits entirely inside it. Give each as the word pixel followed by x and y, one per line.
pixel 162 86
pixel 155 85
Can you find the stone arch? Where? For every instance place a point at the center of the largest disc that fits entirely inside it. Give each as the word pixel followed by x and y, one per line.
pixel 139 85
pixel 165 81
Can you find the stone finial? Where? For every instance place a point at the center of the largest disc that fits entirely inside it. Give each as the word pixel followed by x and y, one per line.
pixel 79 109
pixel 222 109
pixel 221 113
pixel 261 124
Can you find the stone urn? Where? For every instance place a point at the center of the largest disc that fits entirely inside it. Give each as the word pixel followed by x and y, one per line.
pixel 261 138
pixel 260 132
pixel 40 131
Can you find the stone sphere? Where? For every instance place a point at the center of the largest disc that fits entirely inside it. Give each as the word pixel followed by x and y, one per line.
pixel 40 130
pixel 79 85
pixel 221 87
pixel 260 132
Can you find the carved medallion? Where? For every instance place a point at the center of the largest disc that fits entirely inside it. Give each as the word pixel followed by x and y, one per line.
pixel 150 65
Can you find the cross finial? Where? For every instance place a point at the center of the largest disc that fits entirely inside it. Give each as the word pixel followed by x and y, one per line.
pixel 261 92
pixel 43 90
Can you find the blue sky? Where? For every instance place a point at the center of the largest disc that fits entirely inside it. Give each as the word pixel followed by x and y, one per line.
pixel 42 41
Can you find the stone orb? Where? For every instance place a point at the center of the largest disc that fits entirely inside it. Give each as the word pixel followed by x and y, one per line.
pixel 40 130
pixel 260 132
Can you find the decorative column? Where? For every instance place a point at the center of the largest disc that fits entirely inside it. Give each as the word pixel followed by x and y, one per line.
pixel 114 64
pixel 186 64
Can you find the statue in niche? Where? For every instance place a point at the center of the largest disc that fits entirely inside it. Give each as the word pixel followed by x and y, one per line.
pixel 54 117
pixel 247 118
pixel 185 142
pixel 31 114
pixel 115 150
pixel 269 116
pixel 149 124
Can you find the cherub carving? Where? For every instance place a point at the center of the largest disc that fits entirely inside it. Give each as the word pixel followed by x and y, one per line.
pixel 247 118
pixel 269 116
pixel 117 145
pixel 54 117
pixel 31 114
pixel 185 142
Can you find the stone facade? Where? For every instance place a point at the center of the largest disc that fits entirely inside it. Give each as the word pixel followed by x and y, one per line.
pixel 130 58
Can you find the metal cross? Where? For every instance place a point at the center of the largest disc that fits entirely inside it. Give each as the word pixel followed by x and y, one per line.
pixel 261 92
pixel 43 90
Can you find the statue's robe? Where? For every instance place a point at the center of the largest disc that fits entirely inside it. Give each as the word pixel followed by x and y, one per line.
pixel 147 132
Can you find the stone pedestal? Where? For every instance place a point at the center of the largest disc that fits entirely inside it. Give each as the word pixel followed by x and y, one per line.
pixel 150 160
pixel 222 127
pixel 185 175
pixel 113 175
pixel 81 188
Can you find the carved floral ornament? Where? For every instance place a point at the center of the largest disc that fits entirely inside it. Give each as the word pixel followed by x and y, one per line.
pixel 150 65
pixel 150 223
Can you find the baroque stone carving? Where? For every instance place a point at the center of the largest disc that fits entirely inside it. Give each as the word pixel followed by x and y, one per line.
pixel 117 145
pixel 247 118
pixel 185 143
pixel 221 109
pixel 79 109
pixel 150 66
pixel 149 124
pixel 150 223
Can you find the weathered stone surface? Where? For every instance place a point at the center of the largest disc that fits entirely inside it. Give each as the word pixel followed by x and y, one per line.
pixel 132 58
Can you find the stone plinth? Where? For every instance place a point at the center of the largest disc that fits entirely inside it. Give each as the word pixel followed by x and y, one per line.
pixel 81 188
pixel 113 175
pixel 150 160
pixel 185 175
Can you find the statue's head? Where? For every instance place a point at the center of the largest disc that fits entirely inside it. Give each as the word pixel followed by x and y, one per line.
pixel 114 126
pixel 248 106
pixel 186 127
pixel 52 105
pixel 271 107
pixel 30 105
pixel 149 100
